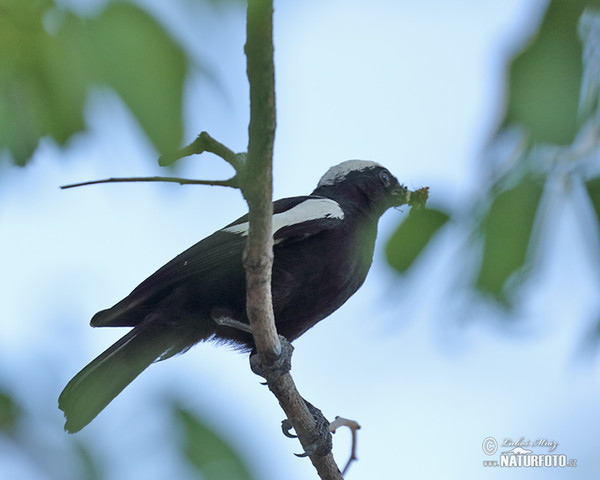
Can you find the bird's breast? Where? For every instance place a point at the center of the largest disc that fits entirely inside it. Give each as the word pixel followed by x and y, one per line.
pixel 314 277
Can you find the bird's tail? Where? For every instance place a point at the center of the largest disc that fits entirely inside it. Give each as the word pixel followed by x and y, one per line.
pixel 94 387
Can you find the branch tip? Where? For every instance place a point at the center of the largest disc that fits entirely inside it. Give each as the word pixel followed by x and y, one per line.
pixel 354 427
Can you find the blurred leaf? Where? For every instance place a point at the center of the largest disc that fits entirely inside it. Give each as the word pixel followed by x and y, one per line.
pixel 545 79
pixel 88 463
pixel 9 413
pixel 44 77
pixel 128 50
pixel 593 190
pixel 211 456
pixel 590 343
pixel 412 236
pixel 589 32
pixel 41 93
pixel 507 231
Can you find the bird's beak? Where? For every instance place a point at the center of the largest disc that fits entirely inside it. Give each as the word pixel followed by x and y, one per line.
pixel 400 196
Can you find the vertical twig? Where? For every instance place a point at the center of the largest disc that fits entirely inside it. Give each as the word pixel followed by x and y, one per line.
pixel 258 260
pixel 258 181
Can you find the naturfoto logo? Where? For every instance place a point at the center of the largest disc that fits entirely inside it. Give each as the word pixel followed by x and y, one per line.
pixel 525 453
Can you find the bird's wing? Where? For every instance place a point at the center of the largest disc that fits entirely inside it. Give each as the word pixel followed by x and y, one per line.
pixel 220 255
pixel 214 256
pixel 297 218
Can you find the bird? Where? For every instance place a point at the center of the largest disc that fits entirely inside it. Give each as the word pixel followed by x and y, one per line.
pixel 323 246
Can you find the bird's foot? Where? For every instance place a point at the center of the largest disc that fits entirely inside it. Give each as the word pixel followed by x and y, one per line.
pixel 281 365
pixel 322 442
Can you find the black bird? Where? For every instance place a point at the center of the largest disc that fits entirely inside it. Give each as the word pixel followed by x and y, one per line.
pixel 323 249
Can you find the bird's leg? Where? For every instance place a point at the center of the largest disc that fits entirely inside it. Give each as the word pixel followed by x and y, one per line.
pixel 223 318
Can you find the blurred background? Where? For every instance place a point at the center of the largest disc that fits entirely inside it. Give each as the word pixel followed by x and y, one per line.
pixel 480 317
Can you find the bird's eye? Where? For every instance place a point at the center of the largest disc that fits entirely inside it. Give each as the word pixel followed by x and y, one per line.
pixel 386 178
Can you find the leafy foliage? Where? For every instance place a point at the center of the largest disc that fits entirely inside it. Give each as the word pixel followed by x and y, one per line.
pixel 51 58
pixel 507 233
pixel 9 413
pixel 411 237
pixel 593 189
pixel 553 96
pixel 545 79
pixel 209 454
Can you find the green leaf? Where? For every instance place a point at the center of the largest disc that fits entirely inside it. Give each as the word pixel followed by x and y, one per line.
pixel 45 73
pixel 412 236
pixel 128 50
pixel 206 451
pixel 9 412
pixel 507 231
pixel 40 93
pixel 593 189
pixel 545 79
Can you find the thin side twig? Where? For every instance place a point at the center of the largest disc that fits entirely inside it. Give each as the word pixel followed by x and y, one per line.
pixel 232 182
pixel 205 143
pixel 354 427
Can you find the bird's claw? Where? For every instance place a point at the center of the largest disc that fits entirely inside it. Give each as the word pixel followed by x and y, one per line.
pixel 308 452
pixel 286 426
pixel 321 446
pixel 322 442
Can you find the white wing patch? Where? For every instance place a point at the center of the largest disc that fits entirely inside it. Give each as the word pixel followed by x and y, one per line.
pixel 310 209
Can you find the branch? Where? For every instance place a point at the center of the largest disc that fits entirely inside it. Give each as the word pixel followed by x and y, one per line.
pixel 257 185
pixel 204 143
pixel 232 182
pixel 258 188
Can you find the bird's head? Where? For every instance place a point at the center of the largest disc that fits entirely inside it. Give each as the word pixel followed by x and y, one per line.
pixel 363 184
